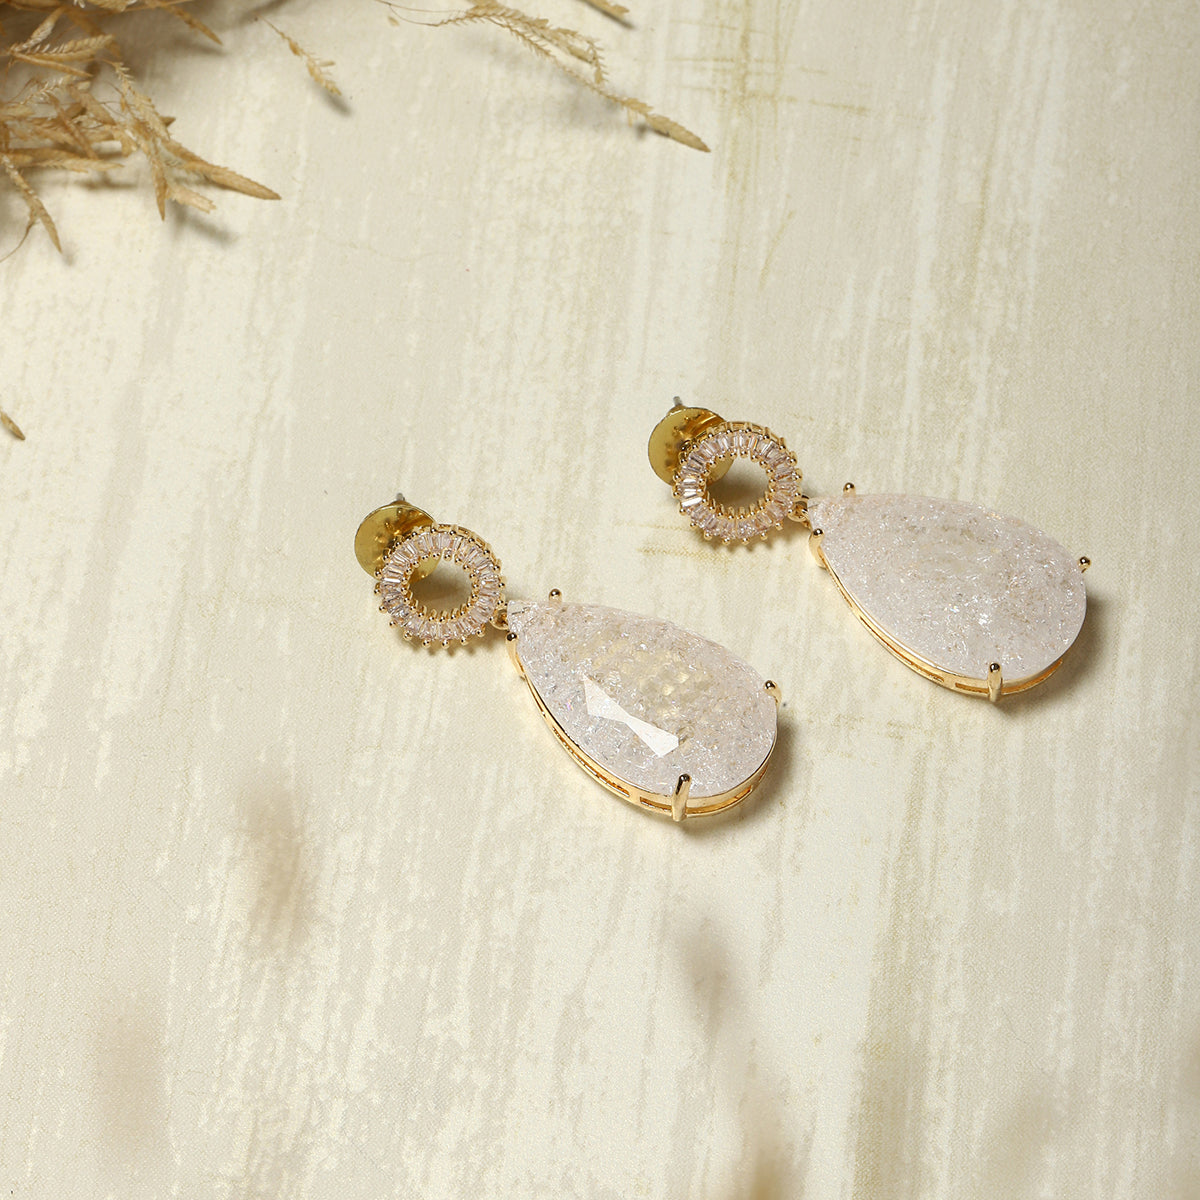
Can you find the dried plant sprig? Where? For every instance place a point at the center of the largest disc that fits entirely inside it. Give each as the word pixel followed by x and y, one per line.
pixel 169 160
pixel 77 107
pixel 565 48
pixel 37 210
pixel 617 11
pixel 11 426
pixel 317 67
pixel 57 119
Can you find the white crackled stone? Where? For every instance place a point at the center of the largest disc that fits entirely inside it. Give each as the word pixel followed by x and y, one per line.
pixel 644 699
pixel 956 584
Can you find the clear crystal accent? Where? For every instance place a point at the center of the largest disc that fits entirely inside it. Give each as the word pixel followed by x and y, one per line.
pixel 737 440
pixel 956 584
pixel 449 543
pixel 644 699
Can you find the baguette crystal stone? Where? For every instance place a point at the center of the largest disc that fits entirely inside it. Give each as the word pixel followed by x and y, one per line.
pixel 451 544
pixel 727 441
pixel 644 700
pixel 954 585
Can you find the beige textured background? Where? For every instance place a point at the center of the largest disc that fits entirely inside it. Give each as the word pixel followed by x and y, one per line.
pixel 292 910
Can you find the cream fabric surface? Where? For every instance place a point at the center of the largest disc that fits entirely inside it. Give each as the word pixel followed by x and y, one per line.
pixel 293 909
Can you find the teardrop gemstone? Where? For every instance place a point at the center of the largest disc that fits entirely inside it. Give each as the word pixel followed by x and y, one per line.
pixel 639 702
pixel 951 588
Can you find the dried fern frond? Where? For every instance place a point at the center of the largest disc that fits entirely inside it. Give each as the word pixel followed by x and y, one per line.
pixel 317 67
pixel 68 100
pixel 566 48
pixel 617 11
pixel 79 108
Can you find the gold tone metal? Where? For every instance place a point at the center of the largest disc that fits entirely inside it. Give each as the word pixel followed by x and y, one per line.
pixel 847 489
pixel 772 690
pixel 510 641
pixel 683 785
pixel 500 618
pixel 680 426
pixel 555 596
pixel 995 682
pixel 956 683
pixel 1084 562
pixel 814 544
pixel 380 530
pixel 651 800
pixel 800 511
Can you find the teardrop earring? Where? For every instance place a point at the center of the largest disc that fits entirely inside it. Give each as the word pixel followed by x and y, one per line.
pixel 978 602
pixel 664 718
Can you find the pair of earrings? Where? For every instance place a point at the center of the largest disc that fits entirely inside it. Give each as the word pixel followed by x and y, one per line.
pixel 978 602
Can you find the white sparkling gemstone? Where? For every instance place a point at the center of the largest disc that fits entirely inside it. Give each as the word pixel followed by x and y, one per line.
pixel 645 700
pixel 956 585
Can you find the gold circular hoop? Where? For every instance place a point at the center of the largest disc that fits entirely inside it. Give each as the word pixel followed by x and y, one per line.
pixel 447 543
pixel 701 463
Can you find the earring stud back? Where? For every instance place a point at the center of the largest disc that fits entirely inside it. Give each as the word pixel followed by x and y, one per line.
pixel 679 427
pixel 380 530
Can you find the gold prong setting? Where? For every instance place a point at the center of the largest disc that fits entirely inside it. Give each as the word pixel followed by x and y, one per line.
pixel 727 441
pixel 679 798
pixel 815 538
pixel 447 543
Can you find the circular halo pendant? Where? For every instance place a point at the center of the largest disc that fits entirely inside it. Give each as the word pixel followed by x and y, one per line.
pixel 446 543
pixel 730 440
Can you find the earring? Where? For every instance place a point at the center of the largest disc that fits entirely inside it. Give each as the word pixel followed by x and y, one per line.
pixel 662 717
pixel 978 602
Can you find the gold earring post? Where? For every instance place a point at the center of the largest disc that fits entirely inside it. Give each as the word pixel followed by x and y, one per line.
pixel 680 426
pixel 380 530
